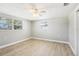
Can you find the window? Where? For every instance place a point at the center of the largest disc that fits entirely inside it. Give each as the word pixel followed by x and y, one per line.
pixel 5 24
pixel 17 24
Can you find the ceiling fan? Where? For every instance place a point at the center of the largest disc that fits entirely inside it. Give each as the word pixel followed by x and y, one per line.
pixel 35 10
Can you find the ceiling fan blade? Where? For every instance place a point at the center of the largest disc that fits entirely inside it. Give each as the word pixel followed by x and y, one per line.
pixel 43 11
pixel 66 4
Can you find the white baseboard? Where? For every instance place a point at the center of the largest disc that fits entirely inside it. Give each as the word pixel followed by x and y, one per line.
pixel 3 46
pixel 51 40
pixel 72 49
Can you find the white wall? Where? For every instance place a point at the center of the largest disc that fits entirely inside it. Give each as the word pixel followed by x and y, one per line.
pixel 77 23
pixel 10 36
pixel 57 29
pixel 72 31
pixel 78 33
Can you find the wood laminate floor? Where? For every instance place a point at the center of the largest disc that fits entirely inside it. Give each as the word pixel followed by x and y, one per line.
pixel 35 47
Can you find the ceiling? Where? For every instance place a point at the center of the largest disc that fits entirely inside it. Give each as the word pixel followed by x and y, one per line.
pixel 53 10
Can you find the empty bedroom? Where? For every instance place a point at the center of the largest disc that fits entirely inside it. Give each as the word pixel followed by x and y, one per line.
pixel 39 29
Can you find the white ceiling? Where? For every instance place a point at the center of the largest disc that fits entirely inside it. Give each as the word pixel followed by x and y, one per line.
pixel 53 10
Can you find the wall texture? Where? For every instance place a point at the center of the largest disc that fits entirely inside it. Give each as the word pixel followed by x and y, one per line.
pixel 57 29
pixel 10 36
